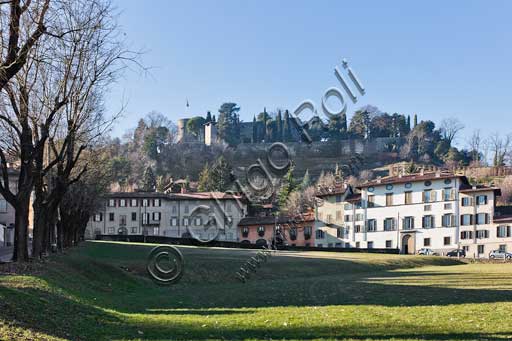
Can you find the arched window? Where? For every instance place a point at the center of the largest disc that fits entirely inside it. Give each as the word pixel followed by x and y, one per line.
pixel 245 231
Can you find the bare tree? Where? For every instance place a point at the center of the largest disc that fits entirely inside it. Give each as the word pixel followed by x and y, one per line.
pixel 500 147
pixel 475 145
pixel 450 128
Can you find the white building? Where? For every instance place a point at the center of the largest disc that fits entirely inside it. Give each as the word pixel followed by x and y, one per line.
pixel 441 211
pixel 171 215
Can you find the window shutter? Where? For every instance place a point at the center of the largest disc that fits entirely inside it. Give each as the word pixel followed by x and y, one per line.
pixel 487 219
pixel 423 222
pixel 443 193
pixel 434 196
pixel 423 196
pixel 452 194
pixel 508 231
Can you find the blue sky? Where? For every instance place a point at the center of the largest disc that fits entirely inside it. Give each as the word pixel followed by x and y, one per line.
pixel 437 58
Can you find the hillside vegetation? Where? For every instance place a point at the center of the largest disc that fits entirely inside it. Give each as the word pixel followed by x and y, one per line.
pixel 100 291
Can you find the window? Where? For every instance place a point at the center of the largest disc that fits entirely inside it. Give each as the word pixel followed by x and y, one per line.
pixel 372 225
pixel 448 220
pixel 133 202
pixel 371 201
pixel 134 216
pixel 186 221
pixel 145 219
pixel 466 235
pixel 3 205
pixel 157 203
pixel 429 196
pixel 122 202
pixel 357 228
pixel 389 244
pixel 307 232
pixel 358 245
pixel 122 220
pixel 98 217
pixel 174 209
pixel 482 218
pixel 389 224
pixel 482 234
pixel 371 189
pixel 261 231
pixel 427 183
pixel 293 233
pixel 320 245
pixel 448 206
pixel 339 215
pixel 466 248
pixel 481 199
pixel 408 223
pixel 466 219
pixel 427 208
pixel 408 197
pixel 320 234
pixel 339 232
pixel 408 185
pixel 370 245
pixel 134 230
pixel 481 249
pixel 389 199
pixel 174 221
pixel 198 221
pixel 144 202
pixel 503 247
pixel 329 219
pixel 329 245
pixel 359 216
pixel 228 207
pixel 156 216
pixel 111 203
pixel 338 198
pixel 111 216
pixel 186 208
pixel 347 207
pixel 503 231
pixel 447 181
pixel 467 201
pixel 245 231
pixel 428 222
pixel 389 187
pixel 447 240
pixel 348 218
pixel 448 194
pixel 426 241
pixel 337 245
pixel 111 230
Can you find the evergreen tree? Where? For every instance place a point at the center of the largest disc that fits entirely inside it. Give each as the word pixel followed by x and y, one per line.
pixel 409 122
pixel 287 187
pixel 306 181
pixel 228 126
pixel 208 117
pixel 279 127
pixel 204 179
pixel 149 180
pixel 220 175
pixel 214 120
pixel 415 120
pixel 287 135
pixel 254 130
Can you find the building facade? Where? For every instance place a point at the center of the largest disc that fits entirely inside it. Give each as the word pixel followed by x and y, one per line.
pixel 272 230
pixel 172 215
pixel 7 213
pixel 435 210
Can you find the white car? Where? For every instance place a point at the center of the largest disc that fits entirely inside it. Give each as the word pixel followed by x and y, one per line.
pixel 498 254
pixel 425 251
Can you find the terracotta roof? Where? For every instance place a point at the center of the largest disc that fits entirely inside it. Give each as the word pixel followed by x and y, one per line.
pixel 326 191
pixel 270 220
pixel 412 178
pixel 175 196
pixel 466 188
pixel 353 197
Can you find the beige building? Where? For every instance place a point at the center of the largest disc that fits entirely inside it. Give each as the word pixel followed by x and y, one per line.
pixel 171 215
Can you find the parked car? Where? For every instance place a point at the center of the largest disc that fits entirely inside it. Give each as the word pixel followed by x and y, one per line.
pixel 457 253
pixel 499 254
pixel 425 251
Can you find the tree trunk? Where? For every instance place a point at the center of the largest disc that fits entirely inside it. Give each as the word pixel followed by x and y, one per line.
pixel 21 230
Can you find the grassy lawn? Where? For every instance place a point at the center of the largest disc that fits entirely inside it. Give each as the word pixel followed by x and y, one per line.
pixel 100 291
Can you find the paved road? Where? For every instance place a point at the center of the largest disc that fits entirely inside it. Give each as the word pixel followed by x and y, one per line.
pixel 6 254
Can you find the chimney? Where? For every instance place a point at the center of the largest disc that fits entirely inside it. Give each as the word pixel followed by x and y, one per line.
pixel 422 171
pixel 379 179
pixel 438 173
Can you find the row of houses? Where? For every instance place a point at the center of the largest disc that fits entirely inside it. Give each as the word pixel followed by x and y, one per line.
pixel 436 210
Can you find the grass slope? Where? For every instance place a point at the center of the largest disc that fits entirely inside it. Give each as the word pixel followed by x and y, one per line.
pixel 100 291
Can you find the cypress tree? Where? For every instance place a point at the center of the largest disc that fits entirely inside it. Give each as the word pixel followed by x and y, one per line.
pixel 279 127
pixel 415 120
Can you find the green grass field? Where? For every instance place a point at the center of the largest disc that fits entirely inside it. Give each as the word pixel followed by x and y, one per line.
pixel 99 291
